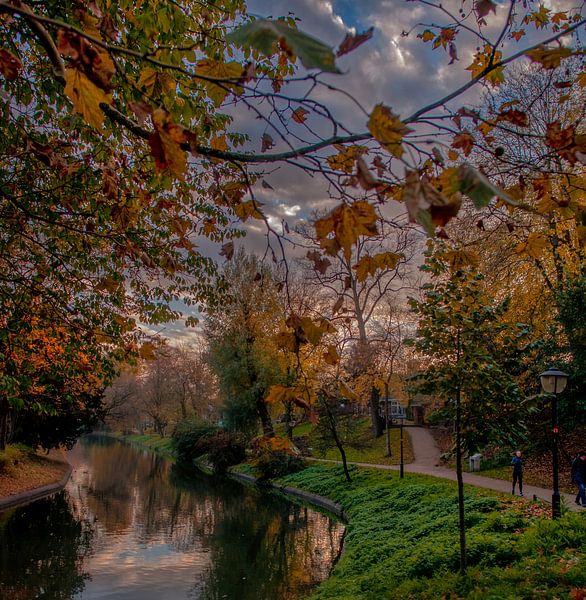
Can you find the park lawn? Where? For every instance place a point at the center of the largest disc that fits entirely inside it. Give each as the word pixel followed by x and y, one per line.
pixel 151 441
pixel 364 448
pixel 22 469
pixel 402 541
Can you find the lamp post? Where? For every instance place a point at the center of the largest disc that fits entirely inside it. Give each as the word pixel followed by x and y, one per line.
pixel 554 382
pixel 402 464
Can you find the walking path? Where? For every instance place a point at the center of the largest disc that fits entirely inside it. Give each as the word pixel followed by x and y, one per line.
pixel 427 458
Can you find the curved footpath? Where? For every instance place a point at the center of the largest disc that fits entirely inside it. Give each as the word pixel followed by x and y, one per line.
pixel 427 458
pixel 36 493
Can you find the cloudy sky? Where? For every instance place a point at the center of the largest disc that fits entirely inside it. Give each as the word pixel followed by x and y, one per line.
pixel 400 71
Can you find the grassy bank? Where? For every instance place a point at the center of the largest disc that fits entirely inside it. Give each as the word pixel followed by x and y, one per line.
pixel 402 541
pixel 149 441
pixel 22 469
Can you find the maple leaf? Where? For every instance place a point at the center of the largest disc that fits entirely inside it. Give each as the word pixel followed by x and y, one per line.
pixel 165 143
pixel 266 36
pixel 244 210
pixel 147 351
pixel 10 65
pixel 300 115
pixel 227 250
pixel 540 18
pixel 428 206
pixel 347 223
pixel 369 265
pixel 86 97
pixel 280 393
pixel 482 61
pixel 517 35
pixel 534 245
pixel 465 141
pixel 565 141
pixel 320 264
pixel 427 35
pixel 351 42
pixel 347 392
pixel 346 157
pixel 331 356
pixel 267 142
pixel 483 7
pixel 514 116
pixel 227 74
pixel 457 259
pixel 388 129
pixel 447 35
pixel 549 58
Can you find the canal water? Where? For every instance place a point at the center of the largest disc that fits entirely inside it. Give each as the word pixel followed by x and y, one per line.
pixel 130 526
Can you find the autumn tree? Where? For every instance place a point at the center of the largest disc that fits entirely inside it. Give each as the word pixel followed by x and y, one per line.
pixel 239 334
pixel 471 351
pixel 122 142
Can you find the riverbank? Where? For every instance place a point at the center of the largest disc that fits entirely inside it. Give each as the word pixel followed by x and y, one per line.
pixel 402 540
pixel 28 476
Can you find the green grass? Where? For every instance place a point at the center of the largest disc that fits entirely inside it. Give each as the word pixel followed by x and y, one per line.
pixel 364 448
pixel 151 441
pixel 402 541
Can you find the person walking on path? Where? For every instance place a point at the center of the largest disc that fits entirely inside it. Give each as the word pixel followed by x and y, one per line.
pixel 517 464
pixel 579 477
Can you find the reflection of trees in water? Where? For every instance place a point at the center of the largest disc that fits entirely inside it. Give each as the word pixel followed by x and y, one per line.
pixel 263 547
pixel 42 547
pixel 258 545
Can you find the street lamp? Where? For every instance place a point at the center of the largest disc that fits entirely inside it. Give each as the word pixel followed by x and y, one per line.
pixel 554 382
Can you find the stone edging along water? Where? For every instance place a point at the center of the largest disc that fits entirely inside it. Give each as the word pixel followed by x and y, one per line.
pixel 308 497
pixel 35 493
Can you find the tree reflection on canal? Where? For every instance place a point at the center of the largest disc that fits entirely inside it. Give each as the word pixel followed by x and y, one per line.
pixel 158 533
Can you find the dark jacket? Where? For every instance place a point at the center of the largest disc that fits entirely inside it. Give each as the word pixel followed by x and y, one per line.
pixel 578 470
pixel 517 464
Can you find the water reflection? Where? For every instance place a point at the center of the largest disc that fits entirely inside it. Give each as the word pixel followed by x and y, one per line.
pixel 157 534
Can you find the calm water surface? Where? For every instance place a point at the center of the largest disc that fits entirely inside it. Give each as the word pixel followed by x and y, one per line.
pixel 129 526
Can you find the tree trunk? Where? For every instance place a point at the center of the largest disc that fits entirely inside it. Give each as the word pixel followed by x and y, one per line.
pixel 378 423
pixel 4 422
pixel 339 445
pixel 387 428
pixel 461 523
pixel 265 418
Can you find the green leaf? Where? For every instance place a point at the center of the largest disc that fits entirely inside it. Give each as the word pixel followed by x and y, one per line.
pixel 265 36
pixel 479 189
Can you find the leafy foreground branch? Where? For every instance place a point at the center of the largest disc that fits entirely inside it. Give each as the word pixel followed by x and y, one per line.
pixel 402 541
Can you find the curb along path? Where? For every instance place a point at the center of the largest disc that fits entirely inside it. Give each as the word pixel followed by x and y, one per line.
pixel 35 493
pixel 427 457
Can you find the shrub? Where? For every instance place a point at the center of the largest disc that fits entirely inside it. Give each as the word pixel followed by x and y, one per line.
pixel 222 449
pixel 186 436
pixel 11 456
pixel 275 457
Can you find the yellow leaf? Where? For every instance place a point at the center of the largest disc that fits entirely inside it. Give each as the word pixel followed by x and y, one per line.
pixel 388 129
pixel 346 158
pixel 458 259
pixel 453 155
pixel 347 392
pixel 581 79
pixel 534 245
pixel 280 393
pixel 165 144
pixel 427 35
pixel 147 351
pixel 86 97
pixel 549 58
pixel 482 60
pixel 220 71
pixel 249 209
pixel 300 115
pixel 218 142
pixel 147 79
pixel 369 265
pixel 347 223
pixel 331 357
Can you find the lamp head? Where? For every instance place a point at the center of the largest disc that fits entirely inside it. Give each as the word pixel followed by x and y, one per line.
pixel 553 381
